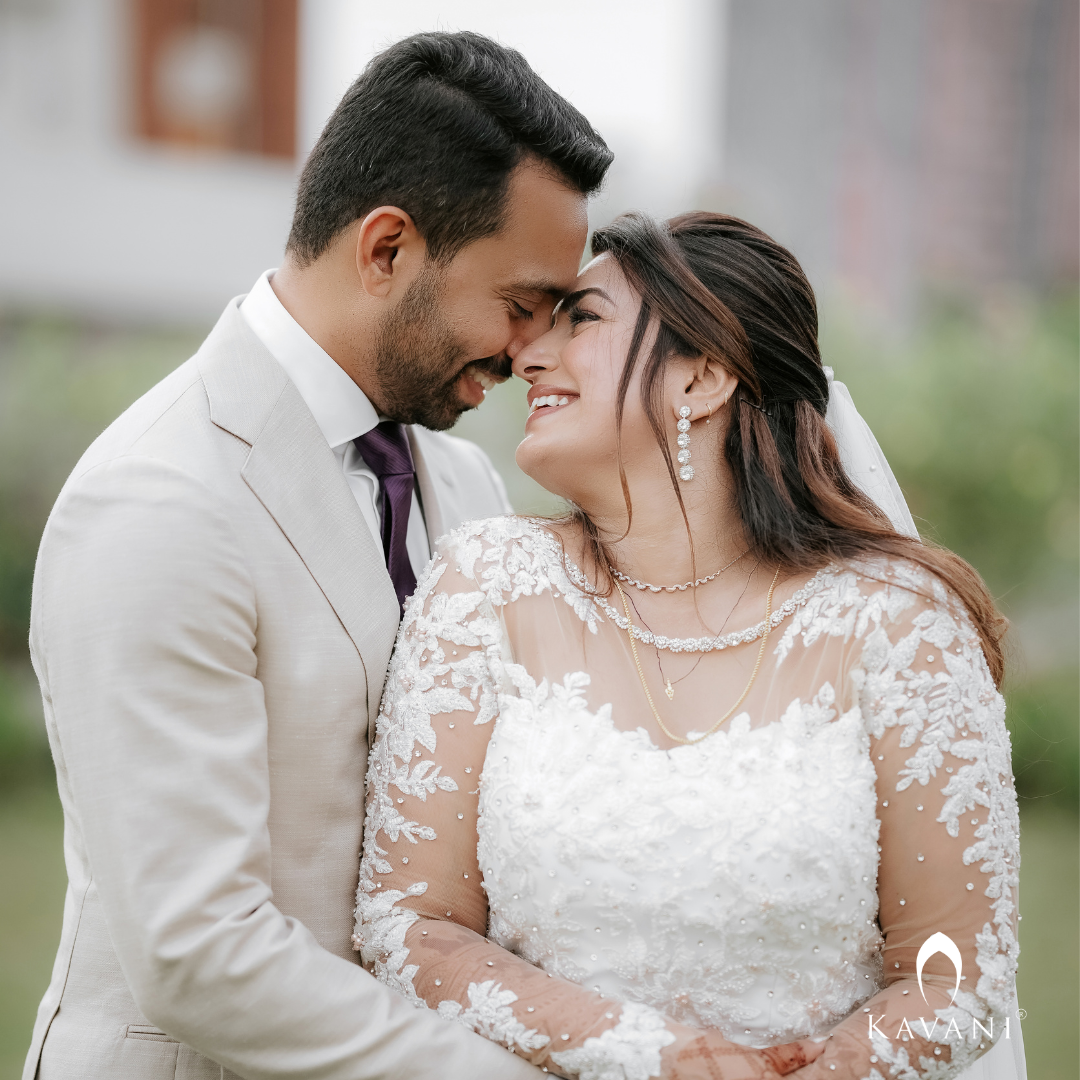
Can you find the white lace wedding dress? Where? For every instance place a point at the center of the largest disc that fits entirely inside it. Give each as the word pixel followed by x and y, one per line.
pixel 537 867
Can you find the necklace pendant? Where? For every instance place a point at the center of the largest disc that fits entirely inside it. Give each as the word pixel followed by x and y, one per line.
pixel 669 690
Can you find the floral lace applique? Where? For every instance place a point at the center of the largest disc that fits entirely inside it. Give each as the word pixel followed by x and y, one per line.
pixel 628 1051
pixel 489 1014
pixel 894 694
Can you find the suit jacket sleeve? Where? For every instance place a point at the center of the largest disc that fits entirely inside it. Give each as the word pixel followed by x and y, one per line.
pixel 145 637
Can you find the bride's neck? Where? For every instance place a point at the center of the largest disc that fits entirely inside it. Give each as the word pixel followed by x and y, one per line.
pixel 655 548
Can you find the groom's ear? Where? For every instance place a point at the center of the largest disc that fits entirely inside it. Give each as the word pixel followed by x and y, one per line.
pixel 389 250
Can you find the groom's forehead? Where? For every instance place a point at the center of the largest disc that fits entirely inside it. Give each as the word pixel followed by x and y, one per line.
pixel 543 232
pixel 540 288
pixel 515 271
pixel 536 259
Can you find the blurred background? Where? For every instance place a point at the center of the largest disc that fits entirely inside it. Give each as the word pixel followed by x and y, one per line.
pixel 920 157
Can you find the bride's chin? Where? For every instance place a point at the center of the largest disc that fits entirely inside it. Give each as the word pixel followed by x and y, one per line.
pixel 544 465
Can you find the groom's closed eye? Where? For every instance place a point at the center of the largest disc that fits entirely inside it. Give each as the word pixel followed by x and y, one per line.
pixel 527 299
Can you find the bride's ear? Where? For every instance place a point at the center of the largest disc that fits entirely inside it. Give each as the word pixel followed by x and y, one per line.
pixel 704 386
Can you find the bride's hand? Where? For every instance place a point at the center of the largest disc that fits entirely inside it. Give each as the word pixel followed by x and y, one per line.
pixel 707 1055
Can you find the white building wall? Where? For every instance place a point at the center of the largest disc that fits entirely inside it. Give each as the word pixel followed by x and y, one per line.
pixel 93 221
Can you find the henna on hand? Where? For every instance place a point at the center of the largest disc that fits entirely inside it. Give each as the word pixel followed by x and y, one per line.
pixel 706 1059
pixel 699 1049
pixel 787 1058
pixel 729 1061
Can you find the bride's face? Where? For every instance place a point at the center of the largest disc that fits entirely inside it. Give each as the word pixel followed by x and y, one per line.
pixel 574 371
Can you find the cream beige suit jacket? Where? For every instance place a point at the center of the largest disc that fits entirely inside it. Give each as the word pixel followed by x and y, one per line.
pixel 212 622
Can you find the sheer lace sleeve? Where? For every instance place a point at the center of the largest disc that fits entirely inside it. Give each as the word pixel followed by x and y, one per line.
pixel 949 844
pixel 422 913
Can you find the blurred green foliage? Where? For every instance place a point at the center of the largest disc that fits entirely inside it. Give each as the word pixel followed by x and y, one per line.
pixel 61 384
pixel 978 415
pixel 24 751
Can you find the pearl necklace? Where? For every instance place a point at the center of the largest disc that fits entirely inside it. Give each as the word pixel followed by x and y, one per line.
pixel 643 585
pixel 702 644
pixel 580 584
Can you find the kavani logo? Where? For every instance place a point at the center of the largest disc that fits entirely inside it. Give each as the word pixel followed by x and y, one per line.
pixel 934 944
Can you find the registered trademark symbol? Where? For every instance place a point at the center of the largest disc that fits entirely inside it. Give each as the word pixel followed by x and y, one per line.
pixel 1021 1014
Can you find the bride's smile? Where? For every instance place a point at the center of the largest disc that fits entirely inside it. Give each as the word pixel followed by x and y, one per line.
pixel 575 362
pixel 546 400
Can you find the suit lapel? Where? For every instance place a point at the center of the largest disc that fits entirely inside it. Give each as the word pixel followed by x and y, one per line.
pixel 296 476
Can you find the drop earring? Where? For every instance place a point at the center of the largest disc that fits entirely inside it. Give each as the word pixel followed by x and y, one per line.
pixel 686 470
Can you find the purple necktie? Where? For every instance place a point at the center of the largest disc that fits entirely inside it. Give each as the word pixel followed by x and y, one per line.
pixel 386 450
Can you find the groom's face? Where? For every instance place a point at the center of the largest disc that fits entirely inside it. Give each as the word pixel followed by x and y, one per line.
pixel 459 326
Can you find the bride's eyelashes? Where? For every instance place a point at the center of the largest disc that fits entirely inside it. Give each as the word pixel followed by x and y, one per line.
pixel 576 316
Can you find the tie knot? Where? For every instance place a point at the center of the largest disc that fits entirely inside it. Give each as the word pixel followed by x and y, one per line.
pixel 385 448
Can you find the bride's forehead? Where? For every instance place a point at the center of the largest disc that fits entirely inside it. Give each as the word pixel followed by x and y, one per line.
pixel 604 274
pixel 600 269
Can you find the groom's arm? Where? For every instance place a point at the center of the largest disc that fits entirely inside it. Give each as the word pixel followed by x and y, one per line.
pixel 144 635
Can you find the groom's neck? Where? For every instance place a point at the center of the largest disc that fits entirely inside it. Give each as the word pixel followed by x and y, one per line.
pixel 323 299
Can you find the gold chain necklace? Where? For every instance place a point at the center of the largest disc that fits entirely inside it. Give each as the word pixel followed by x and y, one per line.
pixel 669 686
pixel 742 697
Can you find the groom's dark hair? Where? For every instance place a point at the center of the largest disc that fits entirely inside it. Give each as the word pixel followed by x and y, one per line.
pixel 435 125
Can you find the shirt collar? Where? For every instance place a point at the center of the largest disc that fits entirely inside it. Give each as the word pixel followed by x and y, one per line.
pixel 340 408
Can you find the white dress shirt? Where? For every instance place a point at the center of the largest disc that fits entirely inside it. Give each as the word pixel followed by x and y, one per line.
pixel 341 409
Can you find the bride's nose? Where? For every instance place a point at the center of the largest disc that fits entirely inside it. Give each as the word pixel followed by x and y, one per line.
pixel 538 357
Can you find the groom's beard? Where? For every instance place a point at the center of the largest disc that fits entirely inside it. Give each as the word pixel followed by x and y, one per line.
pixel 417 360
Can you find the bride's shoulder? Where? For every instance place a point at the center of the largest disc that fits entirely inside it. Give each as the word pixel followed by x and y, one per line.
pixel 508 553
pixel 894 589
pixel 497 534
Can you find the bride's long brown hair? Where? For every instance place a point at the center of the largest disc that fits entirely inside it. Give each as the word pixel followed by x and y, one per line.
pixel 721 288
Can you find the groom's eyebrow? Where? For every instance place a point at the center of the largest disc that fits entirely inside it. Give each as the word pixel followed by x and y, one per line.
pixel 545 288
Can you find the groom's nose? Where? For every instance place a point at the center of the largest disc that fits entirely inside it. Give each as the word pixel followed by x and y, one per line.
pixel 528 331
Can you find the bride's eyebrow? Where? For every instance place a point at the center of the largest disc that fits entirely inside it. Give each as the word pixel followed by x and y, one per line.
pixel 572 300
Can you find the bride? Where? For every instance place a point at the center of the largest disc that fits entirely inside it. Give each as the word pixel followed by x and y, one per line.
pixel 710 777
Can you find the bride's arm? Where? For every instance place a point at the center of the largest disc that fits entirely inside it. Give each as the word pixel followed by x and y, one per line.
pixel 422 912
pixel 949 854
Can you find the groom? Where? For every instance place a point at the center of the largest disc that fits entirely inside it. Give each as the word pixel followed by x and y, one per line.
pixel 220 583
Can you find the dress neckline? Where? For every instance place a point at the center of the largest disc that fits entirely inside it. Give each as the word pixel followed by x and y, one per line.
pixel 575 576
